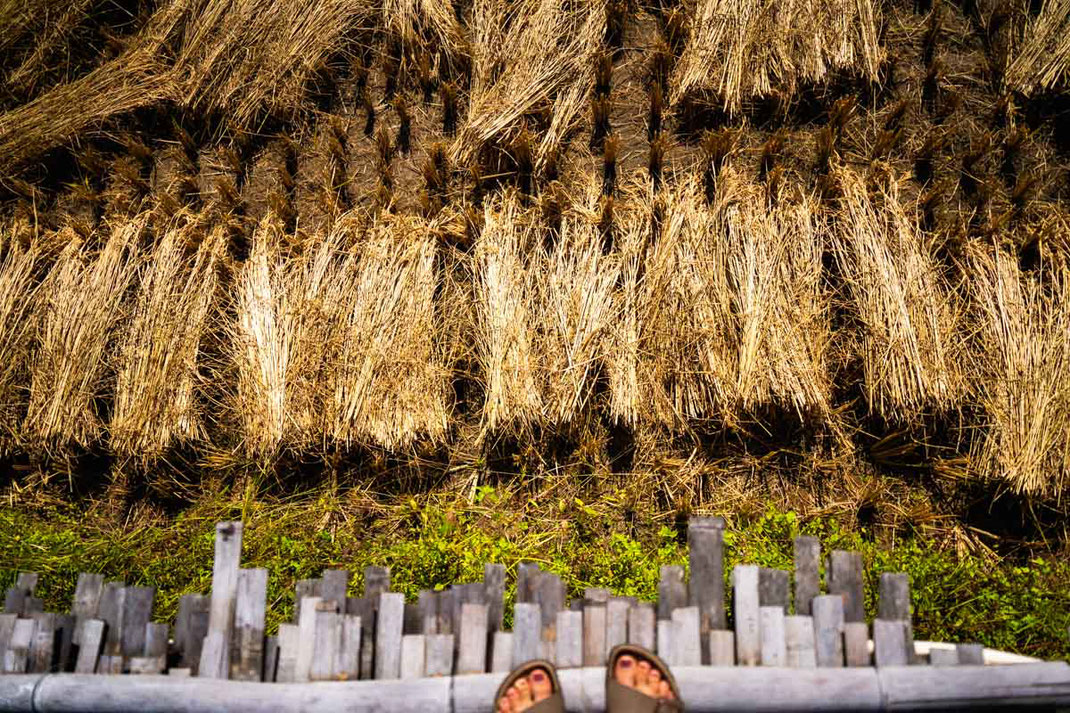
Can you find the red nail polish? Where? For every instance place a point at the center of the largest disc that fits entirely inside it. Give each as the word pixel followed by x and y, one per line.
pixel 626 663
pixel 538 677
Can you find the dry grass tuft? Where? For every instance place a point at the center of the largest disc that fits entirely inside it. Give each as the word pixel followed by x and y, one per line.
pixel 909 323
pixel 1023 365
pixel 740 51
pixel 83 301
pixel 155 398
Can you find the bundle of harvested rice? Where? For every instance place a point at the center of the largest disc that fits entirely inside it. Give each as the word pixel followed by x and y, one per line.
pixel 775 261
pixel 1042 61
pixel 390 384
pixel 51 24
pixel 740 51
pixel 909 337
pixel 506 311
pixel 18 288
pixel 576 311
pixel 543 64
pixel 263 340
pixel 155 401
pixel 1024 370
pixel 430 25
pixel 82 302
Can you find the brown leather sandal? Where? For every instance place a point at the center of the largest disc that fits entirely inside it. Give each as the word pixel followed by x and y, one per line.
pixel 621 699
pixel 554 704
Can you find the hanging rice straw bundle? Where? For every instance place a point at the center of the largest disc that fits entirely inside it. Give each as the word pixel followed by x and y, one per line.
pixel 155 401
pixel 544 64
pixel 416 22
pixel 775 260
pixel 506 314
pixel 83 302
pixel 390 386
pixel 910 360
pixel 264 342
pixel 740 51
pixel 1024 365
pixel 577 312
pixel 18 289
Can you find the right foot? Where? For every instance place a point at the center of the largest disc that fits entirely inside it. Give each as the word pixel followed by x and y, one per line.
pixel 637 673
pixel 526 692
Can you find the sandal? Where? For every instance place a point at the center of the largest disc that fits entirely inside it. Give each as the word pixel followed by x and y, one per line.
pixel 622 699
pixel 554 704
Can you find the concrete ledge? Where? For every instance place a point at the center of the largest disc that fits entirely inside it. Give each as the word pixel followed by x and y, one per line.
pixel 1041 685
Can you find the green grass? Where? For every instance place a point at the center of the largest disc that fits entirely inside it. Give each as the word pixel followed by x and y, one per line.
pixel 441 539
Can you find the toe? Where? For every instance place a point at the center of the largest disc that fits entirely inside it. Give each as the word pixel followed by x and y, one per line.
pixel 624 671
pixel 541 688
pixel 523 694
pixel 653 683
pixel 504 706
pixel 512 700
pixel 665 690
pixel 642 671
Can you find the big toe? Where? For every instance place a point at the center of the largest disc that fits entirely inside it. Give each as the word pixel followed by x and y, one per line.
pixel 624 671
pixel 541 688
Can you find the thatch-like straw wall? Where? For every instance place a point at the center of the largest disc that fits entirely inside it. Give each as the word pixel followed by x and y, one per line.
pixel 740 51
pixel 20 261
pixel 906 313
pixel 1024 371
pixel 155 393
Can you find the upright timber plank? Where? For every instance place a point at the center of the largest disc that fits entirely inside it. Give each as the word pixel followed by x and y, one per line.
pixel 347 664
pixel 376 582
pixel 472 651
pixel 617 621
pixel 594 635
pixel 306 639
pixel 569 644
pixel 527 623
pixel 43 644
pixel 722 648
pixel 799 647
pixel 807 581
pixel 86 599
pixel 828 630
pixel 92 636
pixel 388 635
pixel 502 652
pixel 439 655
pixel 214 662
pixel 549 594
pixel 111 611
pixel 641 626
pixel 250 609
pixel 526 575
pixel 327 640
pixel 773 588
pixel 856 643
pixel 748 628
pixel 289 638
pixel 894 603
pixel 686 637
pixel 191 628
pixel 845 578
pixel 672 592
pixel 705 536
pixel 494 589
pixel 333 585
pixel 413 655
pixel 774 640
pixel 890 643
pixel 971 654
pixel 137 611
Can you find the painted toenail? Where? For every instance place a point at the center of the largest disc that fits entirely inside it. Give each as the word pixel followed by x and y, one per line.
pixel 625 664
pixel 538 677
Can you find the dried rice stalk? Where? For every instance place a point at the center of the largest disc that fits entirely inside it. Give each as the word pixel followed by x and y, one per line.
pixel 1042 63
pixel 543 63
pixel 740 51
pixel 775 260
pixel 577 313
pixel 506 313
pixel 390 387
pixel 909 337
pixel 417 22
pixel 155 407
pixel 1024 362
pixel 83 301
pixel 18 289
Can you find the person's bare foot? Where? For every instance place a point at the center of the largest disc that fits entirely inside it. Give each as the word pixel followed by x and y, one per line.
pixel 640 675
pixel 526 692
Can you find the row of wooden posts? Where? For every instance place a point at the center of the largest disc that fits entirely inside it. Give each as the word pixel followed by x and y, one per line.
pixel 780 619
